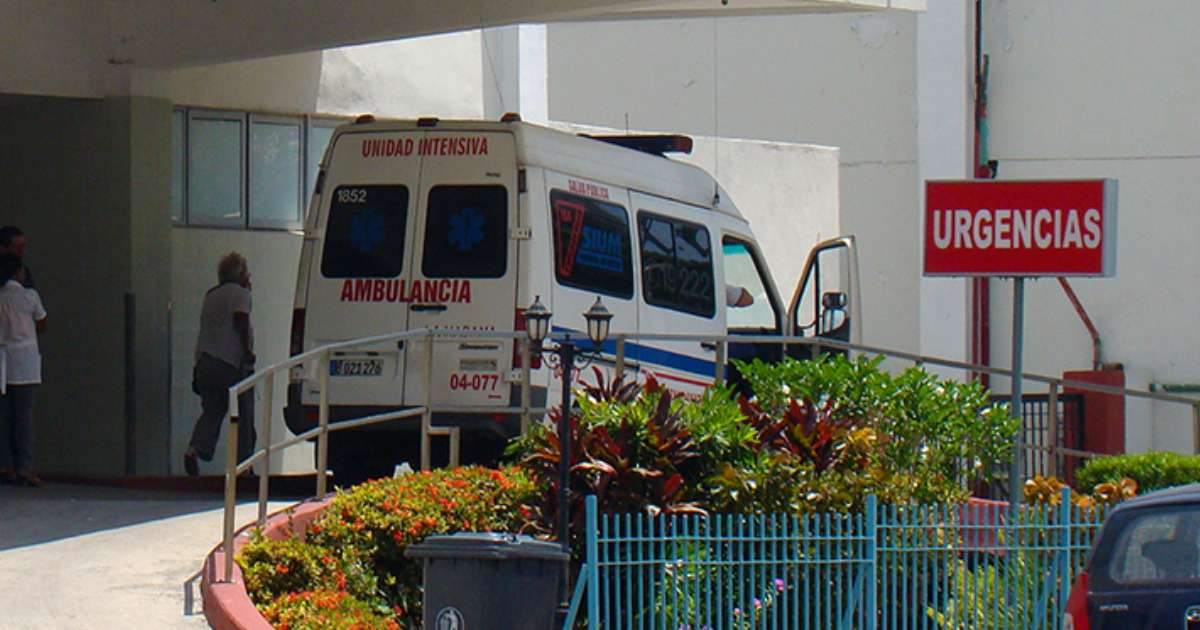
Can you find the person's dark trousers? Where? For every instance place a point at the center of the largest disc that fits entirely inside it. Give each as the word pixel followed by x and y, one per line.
pixel 212 380
pixel 17 407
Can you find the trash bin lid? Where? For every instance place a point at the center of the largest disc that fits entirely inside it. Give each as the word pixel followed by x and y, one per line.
pixel 486 546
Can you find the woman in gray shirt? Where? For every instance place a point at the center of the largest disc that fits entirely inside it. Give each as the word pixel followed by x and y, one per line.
pixel 224 356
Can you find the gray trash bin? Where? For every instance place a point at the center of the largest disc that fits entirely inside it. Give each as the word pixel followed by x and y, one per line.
pixel 486 581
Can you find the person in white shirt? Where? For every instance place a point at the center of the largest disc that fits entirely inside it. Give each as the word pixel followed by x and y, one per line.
pixel 224 356
pixel 737 297
pixel 22 317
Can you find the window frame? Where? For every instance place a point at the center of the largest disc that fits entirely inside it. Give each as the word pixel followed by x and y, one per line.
pixel 271 119
pixel 424 235
pixel 759 268
pixel 226 115
pixel 306 122
pixel 310 175
pixel 674 222
pixel 182 220
pixel 578 286
pixel 405 245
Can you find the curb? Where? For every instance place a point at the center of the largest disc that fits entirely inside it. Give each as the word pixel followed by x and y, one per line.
pixel 227 606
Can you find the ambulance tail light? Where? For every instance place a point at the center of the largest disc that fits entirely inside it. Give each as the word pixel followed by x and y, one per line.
pixel 535 359
pixel 297 339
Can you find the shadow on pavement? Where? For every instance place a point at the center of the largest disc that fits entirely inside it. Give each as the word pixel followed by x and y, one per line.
pixel 32 516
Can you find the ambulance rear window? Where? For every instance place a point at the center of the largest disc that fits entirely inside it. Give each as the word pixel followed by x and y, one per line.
pixel 677 270
pixel 466 232
pixel 592 249
pixel 364 237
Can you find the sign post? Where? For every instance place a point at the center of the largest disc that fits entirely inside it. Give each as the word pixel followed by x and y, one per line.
pixel 1019 230
pixel 1015 406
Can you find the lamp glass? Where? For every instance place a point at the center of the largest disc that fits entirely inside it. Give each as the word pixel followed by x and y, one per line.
pixel 598 321
pixel 537 320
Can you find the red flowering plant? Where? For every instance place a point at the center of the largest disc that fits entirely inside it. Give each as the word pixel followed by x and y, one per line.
pixel 325 610
pixel 277 567
pixel 357 545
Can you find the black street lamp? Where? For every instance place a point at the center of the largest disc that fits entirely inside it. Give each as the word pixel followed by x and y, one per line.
pixel 566 355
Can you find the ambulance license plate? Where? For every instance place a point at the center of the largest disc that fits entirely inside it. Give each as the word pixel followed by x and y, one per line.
pixel 356 367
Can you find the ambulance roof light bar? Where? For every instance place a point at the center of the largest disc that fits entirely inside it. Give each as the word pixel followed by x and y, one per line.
pixel 658 145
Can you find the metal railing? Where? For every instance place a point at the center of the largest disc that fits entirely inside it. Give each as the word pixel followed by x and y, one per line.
pixel 885 566
pixel 319 358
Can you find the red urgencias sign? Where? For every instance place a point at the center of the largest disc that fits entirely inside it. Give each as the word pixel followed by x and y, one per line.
pixel 1021 228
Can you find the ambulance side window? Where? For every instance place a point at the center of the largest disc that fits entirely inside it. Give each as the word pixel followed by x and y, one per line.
pixel 592 248
pixel 364 237
pixel 744 271
pixel 466 232
pixel 677 270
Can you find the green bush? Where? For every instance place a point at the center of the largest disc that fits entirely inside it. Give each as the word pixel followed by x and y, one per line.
pixel 1152 471
pixel 356 547
pixel 325 610
pixel 817 436
pixel 945 432
pixel 277 567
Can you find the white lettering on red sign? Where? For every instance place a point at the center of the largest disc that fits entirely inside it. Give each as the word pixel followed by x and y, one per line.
pixel 1021 228
pixel 439 145
pixel 584 188
pixel 1005 228
pixel 383 290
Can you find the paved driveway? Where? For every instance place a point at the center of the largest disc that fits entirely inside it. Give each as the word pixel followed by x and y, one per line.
pixel 87 557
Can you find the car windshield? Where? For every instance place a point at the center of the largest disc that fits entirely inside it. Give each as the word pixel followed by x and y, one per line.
pixel 1162 546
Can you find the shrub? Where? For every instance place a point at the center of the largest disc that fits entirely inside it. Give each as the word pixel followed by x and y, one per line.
pixel 946 431
pixel 629 447
pixel 1152 471
pixel 1048 491
pixel 818 435
pixel 325 610
pixel 381 518
pixel 356 548
pixel 277 567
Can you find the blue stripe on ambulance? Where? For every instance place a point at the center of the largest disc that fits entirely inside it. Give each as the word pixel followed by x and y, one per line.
pixel 646 355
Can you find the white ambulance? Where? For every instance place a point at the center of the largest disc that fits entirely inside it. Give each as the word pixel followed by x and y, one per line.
pixel 460 224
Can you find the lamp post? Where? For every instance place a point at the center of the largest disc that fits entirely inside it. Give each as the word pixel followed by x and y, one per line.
pixel 537 326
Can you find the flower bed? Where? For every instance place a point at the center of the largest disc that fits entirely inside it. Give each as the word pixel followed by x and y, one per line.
pixel 348 568
pixel 816 436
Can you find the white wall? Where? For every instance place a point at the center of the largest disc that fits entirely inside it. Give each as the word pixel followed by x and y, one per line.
pixel 1108 88
pixel 432 76
pixel 836 80
pixel 438 75
pixel 273 260
pixel 788 192
pixel 945 127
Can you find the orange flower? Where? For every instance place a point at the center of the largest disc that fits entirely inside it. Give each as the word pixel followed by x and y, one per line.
pixel 281 568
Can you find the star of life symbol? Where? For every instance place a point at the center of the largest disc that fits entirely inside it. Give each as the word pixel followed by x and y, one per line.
pixel 466 229
pixel 366 230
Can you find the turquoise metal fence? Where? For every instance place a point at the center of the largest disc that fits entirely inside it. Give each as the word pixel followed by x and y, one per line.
pixel 886 567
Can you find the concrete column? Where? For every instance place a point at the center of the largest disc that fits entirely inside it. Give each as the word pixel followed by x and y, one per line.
pixel 515 72
pixel 945 106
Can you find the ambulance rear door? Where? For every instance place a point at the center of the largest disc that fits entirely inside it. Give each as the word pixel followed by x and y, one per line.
pixel 464 266
pixel 359 280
